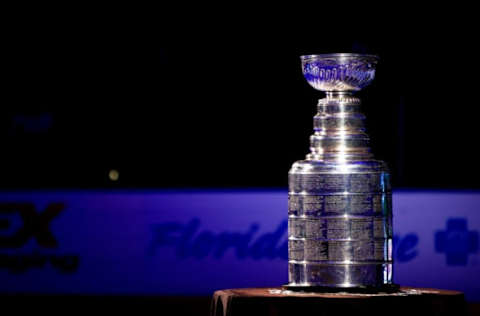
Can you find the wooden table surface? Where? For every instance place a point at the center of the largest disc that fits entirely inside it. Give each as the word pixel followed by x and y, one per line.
pixel 278 301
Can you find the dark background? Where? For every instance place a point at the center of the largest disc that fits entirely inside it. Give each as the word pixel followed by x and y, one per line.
pixel 224 104
pixel 217 99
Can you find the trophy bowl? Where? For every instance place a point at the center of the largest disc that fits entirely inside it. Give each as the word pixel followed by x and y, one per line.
pixel 339 72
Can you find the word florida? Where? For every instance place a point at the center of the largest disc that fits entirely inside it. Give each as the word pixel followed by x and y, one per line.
pixel 189 241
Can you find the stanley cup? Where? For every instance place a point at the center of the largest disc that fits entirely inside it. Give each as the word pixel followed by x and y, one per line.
pixel 340 200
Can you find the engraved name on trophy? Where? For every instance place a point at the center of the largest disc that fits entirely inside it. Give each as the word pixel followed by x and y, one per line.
pixel 340 201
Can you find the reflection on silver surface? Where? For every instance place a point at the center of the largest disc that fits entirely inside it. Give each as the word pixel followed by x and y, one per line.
pixel 340 202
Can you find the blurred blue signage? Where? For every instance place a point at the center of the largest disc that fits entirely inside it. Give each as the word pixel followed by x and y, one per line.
pixel 195 242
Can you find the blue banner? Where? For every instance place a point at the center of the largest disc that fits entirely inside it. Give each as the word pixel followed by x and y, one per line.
pixel 194 242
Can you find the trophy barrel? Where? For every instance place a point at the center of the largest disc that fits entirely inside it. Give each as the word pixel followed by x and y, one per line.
pixel 339 225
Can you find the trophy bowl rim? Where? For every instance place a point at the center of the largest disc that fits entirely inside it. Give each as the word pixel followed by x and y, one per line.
pixel 312 57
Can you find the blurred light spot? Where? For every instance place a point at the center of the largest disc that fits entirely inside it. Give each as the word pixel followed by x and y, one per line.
pixel 113 175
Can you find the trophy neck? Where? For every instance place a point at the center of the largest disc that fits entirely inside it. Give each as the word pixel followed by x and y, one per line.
pixel 339 130
pixel 338 94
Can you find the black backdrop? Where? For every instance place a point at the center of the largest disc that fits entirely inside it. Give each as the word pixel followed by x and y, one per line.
pixel 224 105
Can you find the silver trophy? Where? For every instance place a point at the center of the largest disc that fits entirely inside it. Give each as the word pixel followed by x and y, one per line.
pixel 340 200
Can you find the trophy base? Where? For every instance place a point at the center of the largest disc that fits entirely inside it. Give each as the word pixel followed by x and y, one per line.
pixel 386 288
